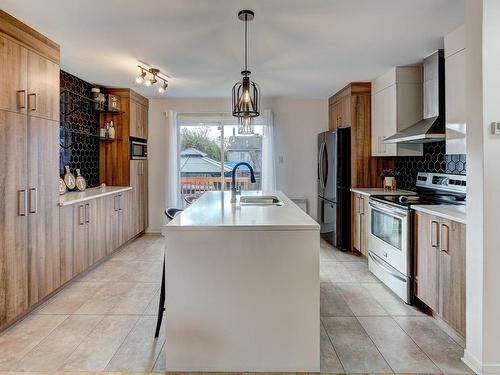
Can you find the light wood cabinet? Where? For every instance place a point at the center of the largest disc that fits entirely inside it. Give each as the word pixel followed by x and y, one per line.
pixel 360 223
pixel 43 87
pixel 99 229
pixel 43 207
pixel 427 259
pixel 339 113
pixel 13 216
pixel 452 274
pixel 139 184
pixel 397 103
pixel 138 120
pixel 13 75
pixel 440 268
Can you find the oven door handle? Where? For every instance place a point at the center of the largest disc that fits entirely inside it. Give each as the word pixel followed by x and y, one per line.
pixel 394 213
pixel 385 268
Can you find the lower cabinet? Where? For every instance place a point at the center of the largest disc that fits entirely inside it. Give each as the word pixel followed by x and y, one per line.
pixel 139 183
pixel 440 268
pixel 93 229
pixel 360 222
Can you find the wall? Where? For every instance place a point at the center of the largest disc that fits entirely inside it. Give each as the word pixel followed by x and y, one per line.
pixel 297 123
pixel 434 159
pixel 483 152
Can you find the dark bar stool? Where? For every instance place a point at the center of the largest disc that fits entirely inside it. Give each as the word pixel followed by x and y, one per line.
pixel 170 213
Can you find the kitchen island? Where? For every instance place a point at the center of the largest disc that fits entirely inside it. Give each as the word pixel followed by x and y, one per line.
pixel 242 287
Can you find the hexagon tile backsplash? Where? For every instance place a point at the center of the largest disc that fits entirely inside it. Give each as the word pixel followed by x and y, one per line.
pixel 78 133
pixel 434 160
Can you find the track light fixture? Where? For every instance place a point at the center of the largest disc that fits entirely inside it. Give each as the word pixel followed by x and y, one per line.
pixel 155 75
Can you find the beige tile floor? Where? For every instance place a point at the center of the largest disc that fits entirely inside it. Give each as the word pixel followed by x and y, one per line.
pixel 105 321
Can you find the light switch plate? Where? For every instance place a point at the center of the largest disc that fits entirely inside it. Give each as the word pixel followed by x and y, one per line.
pixel 495 128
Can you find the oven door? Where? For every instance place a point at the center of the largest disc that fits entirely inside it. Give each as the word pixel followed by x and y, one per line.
pixel 389 235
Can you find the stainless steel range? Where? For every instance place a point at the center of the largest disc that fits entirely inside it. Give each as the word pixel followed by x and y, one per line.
pixel 390 243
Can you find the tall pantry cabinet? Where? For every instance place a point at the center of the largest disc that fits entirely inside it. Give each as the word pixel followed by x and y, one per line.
pixel 29 167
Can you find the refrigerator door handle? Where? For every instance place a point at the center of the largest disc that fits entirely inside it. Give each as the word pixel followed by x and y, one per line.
pixel 321 173
pixel 325 179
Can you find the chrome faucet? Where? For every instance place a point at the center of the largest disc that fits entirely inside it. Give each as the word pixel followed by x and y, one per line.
pixel 234 191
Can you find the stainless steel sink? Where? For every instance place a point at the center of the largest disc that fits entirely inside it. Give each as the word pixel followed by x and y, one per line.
pixel 261 200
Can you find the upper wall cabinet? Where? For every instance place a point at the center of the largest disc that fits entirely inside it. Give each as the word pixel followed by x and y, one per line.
pixel 454 50
pixel 29 72
pixel 396 105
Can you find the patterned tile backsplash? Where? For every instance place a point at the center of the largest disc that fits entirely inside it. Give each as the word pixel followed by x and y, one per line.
pixel 434 160
pixel 78 132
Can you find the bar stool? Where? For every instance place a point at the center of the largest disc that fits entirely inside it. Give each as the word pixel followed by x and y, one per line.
pixel 170 213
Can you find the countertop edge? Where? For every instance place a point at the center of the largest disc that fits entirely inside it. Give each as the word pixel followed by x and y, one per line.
pixel 459 217
pixel 364 191
pixel 90 197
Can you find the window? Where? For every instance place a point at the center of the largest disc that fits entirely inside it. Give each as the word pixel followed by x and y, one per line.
pixel 208 153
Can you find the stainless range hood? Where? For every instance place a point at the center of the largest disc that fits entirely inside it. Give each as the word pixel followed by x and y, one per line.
pixel 432 127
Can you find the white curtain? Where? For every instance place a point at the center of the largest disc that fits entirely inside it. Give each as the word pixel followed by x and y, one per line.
pixel 268 153
pixel 172 173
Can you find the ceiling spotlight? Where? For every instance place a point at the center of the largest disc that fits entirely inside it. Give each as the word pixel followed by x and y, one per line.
pixel 140 77
pixel 155 76
pixel 163 88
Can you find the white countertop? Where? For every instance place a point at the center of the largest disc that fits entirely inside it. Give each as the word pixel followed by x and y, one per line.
pixel 214 211
pixel 381 191
pixel 73 197
pixel 447 211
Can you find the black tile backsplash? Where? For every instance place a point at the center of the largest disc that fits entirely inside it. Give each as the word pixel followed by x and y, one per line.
pixel 79 132
pixel 434 160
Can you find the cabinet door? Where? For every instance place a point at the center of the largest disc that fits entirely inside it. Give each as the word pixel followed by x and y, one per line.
pixel 67 223
pixel 13 216
pixel 119 220
pixel 135 166
pixel 144 121
pixel 43 207
pixel 427 259
pixel 332 117
pixel 377 124
pixel 455 104
pixel 98 228
pixel 364 224
pixel 126 215
pixel 43 87
pixel 13 76
pixel 143 220
pixel 452 274
pixel 357 223
pixel 134 126
pixel 81 256
pixel 345 112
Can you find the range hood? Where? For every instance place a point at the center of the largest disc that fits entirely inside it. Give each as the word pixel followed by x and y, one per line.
pixel 432 127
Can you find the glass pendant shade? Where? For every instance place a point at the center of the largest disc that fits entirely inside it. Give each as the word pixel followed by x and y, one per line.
pixel 245 125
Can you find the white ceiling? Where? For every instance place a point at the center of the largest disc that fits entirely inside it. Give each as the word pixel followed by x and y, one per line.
pixel 297 47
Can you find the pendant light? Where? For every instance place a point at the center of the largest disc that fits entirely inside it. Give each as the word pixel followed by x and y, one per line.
pixel 245 125
pixel 246 95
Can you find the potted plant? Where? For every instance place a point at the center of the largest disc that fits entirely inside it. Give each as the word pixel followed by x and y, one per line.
pixel 389 176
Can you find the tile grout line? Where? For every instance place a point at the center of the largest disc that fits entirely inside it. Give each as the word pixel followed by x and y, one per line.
pixel 123 342
pixel 333 346
pixel 81 342
pixel 41 340
pixel 411 338
pixel 375 345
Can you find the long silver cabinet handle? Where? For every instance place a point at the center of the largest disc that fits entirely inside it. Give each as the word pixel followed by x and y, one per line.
pixel 434 233
pixel 87 213
pixel 33 201
pixel 445 239
pixel 32 95
pixel 22 204
pixel 81 214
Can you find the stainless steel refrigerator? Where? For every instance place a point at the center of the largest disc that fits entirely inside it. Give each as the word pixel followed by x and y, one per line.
pixel 334 184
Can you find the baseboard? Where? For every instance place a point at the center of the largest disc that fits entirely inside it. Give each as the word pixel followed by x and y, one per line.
pixel 473 363
pixel 156 230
